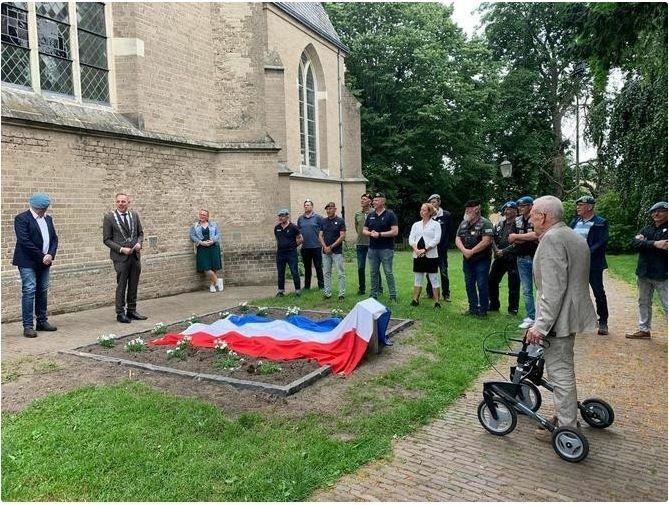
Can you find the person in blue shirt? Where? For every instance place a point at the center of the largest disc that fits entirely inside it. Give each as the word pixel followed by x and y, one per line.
pixel 381 226
pixel 309 224
pixel 595 230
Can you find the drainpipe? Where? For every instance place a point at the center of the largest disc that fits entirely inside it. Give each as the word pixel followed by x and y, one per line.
pixel 341 140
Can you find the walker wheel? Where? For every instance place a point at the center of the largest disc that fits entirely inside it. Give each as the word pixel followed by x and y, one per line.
pixel 506 417
pixel 597 413
pixel 570 444
pixel 529 395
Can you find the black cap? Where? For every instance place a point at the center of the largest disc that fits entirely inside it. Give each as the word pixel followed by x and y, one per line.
pixel 472 203
pixel 379 195
pixel 586 199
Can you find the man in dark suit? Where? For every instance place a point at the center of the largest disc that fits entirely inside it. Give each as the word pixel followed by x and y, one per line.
pixel 122 233
pixel 36 245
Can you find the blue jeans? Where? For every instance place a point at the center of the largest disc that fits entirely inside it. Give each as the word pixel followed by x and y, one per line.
pixel 361 253
pixel 378 257
pixel 526 281
pixel 34 288
pixel 476 276
pixel 289 258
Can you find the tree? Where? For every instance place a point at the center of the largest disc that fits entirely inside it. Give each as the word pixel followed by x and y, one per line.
pixel 534 42
pixel 426 94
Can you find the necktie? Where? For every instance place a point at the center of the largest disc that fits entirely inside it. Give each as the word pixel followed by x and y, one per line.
pixel 125 220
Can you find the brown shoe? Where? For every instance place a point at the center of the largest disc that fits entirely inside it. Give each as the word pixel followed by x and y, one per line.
pixel 639 335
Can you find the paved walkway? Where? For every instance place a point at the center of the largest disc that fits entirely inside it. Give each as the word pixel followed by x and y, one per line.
pixel 455 459
pixel 79 328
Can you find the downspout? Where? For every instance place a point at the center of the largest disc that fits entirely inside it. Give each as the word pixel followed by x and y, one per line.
pixel 341 140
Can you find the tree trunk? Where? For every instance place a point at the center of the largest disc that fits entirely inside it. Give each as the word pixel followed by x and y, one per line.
pixel 558 154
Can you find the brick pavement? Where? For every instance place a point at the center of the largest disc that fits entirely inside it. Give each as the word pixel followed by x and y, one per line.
pixel 455 459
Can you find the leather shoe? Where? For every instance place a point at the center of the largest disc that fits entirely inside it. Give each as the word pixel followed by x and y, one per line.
pixel 46 327
pixel 643 335
pixel 29 333
pixel 133 314
pixel 121 318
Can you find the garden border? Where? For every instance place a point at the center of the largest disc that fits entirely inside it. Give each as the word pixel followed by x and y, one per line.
pixel 276 389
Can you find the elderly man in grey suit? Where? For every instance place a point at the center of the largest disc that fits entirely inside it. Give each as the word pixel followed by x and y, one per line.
pixel 563 308
pixel 122 232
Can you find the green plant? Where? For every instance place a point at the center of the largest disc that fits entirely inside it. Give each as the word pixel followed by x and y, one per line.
pixel 107 340
pixel 221 347
pixel 338 313
pixel 267 368
pixel 229 361
pixel 181 350
pixel 262 311
pixel 244 307
pixel 223 314
pixel 292 311
pixel 159 329
pixel 193 319
pixel 135 345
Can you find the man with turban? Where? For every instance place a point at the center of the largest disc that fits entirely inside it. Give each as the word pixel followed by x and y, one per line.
pixel 36 245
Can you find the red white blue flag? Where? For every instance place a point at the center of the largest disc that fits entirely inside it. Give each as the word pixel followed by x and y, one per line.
pixel 340 343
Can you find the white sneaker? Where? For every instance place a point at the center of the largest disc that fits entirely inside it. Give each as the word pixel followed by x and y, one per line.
pixel 219 284
pixel 212 288
pixel 526 324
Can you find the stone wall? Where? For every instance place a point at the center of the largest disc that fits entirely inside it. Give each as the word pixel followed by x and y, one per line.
pixel 166 184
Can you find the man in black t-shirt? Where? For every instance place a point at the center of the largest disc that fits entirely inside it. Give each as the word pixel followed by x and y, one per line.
pixel 505 260
pixel 331 237
pixel 525 241
pixel 381 227
pixel 288 237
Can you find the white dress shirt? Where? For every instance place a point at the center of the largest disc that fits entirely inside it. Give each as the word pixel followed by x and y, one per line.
pixel 41 222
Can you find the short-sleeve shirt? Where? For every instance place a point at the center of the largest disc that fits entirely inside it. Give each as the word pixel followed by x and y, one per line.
pixel 471 234
pixel 309 227
pixel 525 248
pixel 360 218
pixel 286 238
pixel 502 232
pixel 331 231
pixel 583 227
pixel 381 223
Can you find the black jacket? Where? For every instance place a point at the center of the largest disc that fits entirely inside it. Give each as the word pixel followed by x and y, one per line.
pixel 652 263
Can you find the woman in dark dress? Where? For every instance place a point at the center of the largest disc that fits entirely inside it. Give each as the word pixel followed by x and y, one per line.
pixel 423 239
pixel 206 236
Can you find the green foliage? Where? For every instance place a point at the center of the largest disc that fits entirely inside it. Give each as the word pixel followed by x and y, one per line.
pixel 228 361
pixel 267 368
pixel 426 93
pixel 128 442
pixel 622 223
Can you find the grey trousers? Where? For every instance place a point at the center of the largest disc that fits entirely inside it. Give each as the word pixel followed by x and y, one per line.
pixel 646 288
pixel 559 356
pixel 338 260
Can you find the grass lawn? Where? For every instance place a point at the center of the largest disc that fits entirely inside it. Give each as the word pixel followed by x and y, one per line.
pixel 128 442
pixel 623 266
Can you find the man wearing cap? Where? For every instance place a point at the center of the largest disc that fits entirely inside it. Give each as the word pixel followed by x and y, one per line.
pixel 651 269
pixel 474 239
pixel 331 237
pixel 505 260
pixel 443 217
pixel 525 242
pixel 288 237
pixel 122 232
pixel 595 230
pixel 309 224
pixel 35 250
pixel 362 241
pixel 381 227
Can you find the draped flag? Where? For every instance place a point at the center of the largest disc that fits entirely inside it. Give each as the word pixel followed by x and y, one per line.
pixel 338 343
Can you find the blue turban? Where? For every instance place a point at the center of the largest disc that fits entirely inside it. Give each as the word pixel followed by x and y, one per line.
pixel 39 201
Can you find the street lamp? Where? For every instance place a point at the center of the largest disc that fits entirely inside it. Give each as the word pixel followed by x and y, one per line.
pixel 506 168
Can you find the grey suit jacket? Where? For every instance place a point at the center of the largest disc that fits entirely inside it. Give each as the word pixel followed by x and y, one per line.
pixel 115 237
pixel 561 270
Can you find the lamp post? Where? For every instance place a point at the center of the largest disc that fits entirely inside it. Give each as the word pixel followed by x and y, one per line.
pixel 506 168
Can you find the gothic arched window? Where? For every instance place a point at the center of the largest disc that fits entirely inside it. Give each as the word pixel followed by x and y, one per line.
pixel 307 103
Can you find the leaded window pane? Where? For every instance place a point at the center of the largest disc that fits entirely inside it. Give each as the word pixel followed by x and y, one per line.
pixel 92 50
pixel 14 25
pixel 56 74
pixel 53 10
pixel 94 84
pixel 16 65
pixel 91 17
pixel 53 37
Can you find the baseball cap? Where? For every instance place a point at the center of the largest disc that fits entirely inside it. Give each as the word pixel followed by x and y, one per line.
pixel 472 203
pixel 367 195
pixel 330 204
pixel 659 206
pixel 586 199
pixel 525 200
pixel 379 195
pixel 509 205
pixel 432 197
pixel 39 201
pixel 283 212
